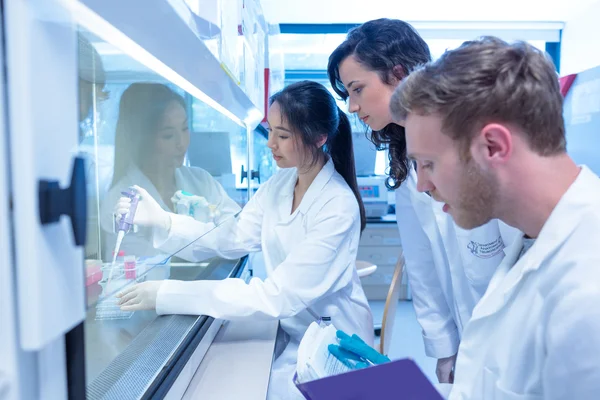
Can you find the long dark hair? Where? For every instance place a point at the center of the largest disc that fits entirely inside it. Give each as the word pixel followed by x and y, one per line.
pixel 141 107
pixel 311 111
pixel 393 49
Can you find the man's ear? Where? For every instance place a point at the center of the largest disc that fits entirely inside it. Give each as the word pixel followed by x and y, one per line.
pixel 493 145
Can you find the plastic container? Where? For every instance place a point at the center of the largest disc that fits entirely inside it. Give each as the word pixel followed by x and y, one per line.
pixel 108 305
pixel 130 267
pixel 120 256
pixel 120 272
pixel 156 268
pixel 93 271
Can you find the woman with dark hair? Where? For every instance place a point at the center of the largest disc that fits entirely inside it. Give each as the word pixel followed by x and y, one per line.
pixel 306 220
pixel 449 268
pixel 151 141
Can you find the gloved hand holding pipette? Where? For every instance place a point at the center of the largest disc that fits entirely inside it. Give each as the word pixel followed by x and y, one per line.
pixel 355 353
pixel 148 213
pixel 124 225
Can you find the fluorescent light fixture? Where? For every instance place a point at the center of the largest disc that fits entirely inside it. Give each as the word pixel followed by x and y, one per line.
pixel 101 28
pixel 253 119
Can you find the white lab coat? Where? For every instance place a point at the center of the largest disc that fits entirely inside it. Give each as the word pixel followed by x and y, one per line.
pixel 448 268
pixel 309 258
pixel 536 332
pixel 190 179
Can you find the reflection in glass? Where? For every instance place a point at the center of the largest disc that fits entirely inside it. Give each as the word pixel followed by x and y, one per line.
pixel 92 91
pixel 151 141
pixel 135 130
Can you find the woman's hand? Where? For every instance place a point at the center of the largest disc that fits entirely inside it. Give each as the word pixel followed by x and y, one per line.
pixel 140 297
pixel 148 213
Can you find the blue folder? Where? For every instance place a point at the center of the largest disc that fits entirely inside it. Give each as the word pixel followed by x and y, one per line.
pixel 399 380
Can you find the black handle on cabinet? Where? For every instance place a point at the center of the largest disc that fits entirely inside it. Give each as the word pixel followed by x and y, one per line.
pixel 72 201
pixel 253 175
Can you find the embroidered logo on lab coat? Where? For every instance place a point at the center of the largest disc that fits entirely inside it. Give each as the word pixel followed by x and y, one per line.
pixel 486 250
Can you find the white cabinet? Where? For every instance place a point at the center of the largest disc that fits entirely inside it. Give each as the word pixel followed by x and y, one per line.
pixel 380 245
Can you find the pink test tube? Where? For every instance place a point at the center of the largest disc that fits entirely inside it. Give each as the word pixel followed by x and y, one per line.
pixel 130 271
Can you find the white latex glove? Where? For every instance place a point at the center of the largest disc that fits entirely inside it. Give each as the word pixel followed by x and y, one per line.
pixel 140 297
pixel 148 213
pixel 445 369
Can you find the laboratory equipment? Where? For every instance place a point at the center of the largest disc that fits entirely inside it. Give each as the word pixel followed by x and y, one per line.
pixel 109 307
pixel 365 152
pixel 126 220
pixel 114 278
pixel 93 271
pixel 196 207
pixel 374 194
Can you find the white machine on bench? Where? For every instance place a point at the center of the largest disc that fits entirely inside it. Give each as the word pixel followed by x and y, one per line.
pixel 374 194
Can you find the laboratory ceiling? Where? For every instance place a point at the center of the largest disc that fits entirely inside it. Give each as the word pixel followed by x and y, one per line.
pixel 358 11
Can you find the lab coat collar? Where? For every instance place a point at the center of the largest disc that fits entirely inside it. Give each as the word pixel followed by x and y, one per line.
pixel 562 222
pixel 311 194
pixel 317 186
pixel 135 175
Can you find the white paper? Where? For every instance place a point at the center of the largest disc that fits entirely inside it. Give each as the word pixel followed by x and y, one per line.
pixel 314 359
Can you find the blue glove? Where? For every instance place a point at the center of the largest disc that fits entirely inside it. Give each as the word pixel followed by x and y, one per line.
pixel 355 353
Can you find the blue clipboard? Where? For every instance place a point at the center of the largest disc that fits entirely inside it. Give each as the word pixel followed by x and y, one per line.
pixel 400 379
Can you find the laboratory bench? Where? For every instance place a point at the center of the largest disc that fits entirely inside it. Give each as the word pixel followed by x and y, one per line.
pixel 148 355
pixel 188 357
pixel 238 363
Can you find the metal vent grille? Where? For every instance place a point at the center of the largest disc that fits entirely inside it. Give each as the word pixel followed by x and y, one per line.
pixel 130 374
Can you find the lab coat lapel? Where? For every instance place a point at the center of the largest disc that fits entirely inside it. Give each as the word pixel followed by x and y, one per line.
pixel 314 190
pixel 427 212
pixel 559 226
pixel 285 199
pixel 494 298
pixel 562 222
pixel 288 226
pixel 316 187
pixel 279 214
pixel 137 176
pixel 448 234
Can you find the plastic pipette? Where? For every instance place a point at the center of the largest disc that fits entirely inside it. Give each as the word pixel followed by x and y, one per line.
pixel 125 225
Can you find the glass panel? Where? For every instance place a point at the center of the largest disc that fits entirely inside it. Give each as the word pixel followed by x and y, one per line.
pixel 262 161
pixel 211 134
pixel 136 128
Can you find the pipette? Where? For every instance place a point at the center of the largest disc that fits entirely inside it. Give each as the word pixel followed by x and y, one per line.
pixel 125 225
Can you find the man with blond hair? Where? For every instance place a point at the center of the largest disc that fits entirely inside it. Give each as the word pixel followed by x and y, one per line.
pixel 484 125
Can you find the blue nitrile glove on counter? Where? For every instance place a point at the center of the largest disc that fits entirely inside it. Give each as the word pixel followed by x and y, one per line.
pixel 355 353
